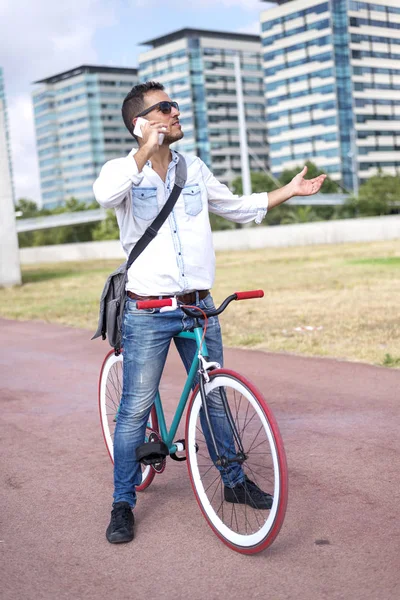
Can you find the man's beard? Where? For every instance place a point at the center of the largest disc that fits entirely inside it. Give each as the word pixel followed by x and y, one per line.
pixel 174 137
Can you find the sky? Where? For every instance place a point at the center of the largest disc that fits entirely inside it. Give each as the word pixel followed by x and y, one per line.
pixel 40 38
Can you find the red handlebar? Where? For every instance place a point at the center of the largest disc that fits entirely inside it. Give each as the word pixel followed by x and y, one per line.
pixel 143 304
pixel 248 295
pixel 153 303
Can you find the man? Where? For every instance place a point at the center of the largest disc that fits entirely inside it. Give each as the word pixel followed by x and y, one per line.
pixel 179 262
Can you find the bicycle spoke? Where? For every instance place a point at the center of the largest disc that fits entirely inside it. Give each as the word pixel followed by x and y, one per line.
pixel 215 491
pixel 112 408
pixel 248 423
pixel 213 482
pixel 209 468
pixel 256 511
pixel 113 384
pixel 255 478
pixel 220 506
pixel 203 456
pixel 268 483
pixel 257 465
pixel 240 401
pixel 245 418
pixel 261 428
pixel 258 445
pixel 243 506
pixel 234 513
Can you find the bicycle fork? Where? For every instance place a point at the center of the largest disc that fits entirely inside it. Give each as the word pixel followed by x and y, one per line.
pixel 222 461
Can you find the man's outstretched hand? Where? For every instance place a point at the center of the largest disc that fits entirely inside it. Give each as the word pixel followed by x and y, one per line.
pixel 297 187
pixel 306 187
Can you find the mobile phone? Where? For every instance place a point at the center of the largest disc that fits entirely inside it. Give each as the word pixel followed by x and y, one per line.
pixel 138 130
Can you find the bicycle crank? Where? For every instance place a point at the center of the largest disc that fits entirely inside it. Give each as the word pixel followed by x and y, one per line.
pixel 181 445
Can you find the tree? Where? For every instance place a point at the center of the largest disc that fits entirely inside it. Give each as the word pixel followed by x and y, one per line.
pixel 107 229
pixel 277 215
pixel 284 213
pixel 81 232
pixel 260 182
pixel 221 224
pixel 380 195
pixel 27 207
pixel 71 205
pixel 66 234
pixel 300 214
pixel 329 186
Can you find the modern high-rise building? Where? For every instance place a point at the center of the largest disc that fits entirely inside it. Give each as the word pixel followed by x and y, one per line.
pixel 6 174
pixel 197 69
pixel 78 128
pixel 332 86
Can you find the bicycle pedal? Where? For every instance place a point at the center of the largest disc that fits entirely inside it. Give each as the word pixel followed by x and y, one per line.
pixel 152 453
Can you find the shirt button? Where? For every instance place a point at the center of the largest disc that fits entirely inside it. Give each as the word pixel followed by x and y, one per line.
pixel 174 230
pixel 180 253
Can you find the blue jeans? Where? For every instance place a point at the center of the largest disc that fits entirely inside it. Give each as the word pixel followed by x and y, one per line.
pixel 147 335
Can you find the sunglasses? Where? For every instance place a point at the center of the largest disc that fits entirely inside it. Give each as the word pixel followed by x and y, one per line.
pixel 165 107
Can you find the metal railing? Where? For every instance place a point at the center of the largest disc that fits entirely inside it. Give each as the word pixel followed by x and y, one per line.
pixel 91 216
pixel 61 220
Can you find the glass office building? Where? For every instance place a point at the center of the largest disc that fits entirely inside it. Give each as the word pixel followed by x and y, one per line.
pixel 197 69
pixel 78 128
pixel 6 170
pixel 332 86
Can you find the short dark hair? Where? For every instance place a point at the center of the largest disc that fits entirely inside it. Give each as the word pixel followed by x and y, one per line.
pixel 133 103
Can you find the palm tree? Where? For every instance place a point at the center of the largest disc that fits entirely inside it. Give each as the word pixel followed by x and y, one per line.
pixel 301 214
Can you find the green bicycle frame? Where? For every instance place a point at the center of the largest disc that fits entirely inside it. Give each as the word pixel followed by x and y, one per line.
pixel 168 436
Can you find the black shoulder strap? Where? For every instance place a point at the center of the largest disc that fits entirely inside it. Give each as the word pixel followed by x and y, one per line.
pixel 153 229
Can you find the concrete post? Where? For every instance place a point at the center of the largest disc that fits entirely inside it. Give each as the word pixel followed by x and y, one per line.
pixel 244 154
pixel 354 162
pixel 10 271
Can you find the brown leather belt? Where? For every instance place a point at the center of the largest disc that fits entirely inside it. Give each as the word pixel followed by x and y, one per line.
pixel 189 298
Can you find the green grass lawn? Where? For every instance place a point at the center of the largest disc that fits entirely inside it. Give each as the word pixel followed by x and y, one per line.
pixel 339 301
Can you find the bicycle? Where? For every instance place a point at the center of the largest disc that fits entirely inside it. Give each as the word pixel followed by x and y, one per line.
pixel 258 446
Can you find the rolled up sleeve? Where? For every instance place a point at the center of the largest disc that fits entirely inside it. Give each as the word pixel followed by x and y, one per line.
pixel 240 209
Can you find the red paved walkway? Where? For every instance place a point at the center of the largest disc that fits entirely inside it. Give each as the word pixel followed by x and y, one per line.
pixel 340 424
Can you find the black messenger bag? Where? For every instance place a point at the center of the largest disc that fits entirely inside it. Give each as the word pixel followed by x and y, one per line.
pixel 112 300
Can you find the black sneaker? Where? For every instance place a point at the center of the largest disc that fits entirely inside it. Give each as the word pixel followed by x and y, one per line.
pixel 120 529
pixel 248 493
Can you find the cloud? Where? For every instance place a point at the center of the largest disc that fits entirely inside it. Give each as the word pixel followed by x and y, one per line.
pixel 38 39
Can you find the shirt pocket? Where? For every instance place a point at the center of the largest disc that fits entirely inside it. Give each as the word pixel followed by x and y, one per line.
pixel 192 199
pixel 144 203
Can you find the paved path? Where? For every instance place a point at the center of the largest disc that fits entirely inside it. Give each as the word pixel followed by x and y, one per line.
pixel 340 425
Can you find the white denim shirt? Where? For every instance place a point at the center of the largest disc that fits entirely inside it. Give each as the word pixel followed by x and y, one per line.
pixel 181 257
